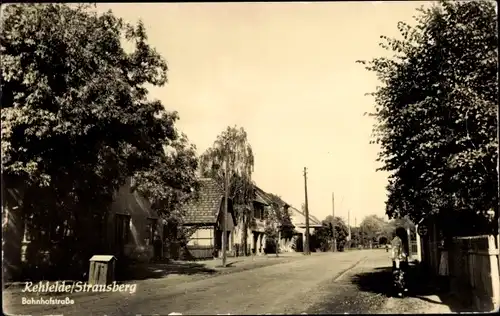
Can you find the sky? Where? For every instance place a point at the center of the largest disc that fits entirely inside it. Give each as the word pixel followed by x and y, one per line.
pixel 286 73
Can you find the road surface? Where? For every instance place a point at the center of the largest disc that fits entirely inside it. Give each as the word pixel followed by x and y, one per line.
pixel 348 282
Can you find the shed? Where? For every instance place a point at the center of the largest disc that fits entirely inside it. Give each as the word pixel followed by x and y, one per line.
pixel 102 269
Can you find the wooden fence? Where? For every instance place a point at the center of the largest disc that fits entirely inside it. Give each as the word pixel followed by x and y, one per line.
pixel 192 252
pixel 430 248
pixel 473 270
pixel 198 252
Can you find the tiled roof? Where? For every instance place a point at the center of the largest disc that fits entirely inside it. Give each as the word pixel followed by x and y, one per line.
pixel 265 197
pixel 206 207
pixel 261 198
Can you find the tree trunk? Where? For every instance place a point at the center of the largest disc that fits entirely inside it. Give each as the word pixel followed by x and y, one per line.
pixel 244 235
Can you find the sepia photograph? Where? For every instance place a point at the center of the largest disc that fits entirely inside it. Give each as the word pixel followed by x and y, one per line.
pixel 250 158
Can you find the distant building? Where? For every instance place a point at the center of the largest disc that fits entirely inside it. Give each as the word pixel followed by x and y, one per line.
pixel 204 216
pixel 298 219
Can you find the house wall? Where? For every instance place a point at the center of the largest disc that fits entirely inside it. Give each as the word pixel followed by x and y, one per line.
pixel 139 246
pixel 126 203
pixel 203 237
pixel 258 235
pixel 260 226
pixel 201 243
pixel 255 238
pixel 298 219
pixel 254 235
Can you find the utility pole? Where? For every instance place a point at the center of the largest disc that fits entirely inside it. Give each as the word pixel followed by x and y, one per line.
pixel 306 246
pixel 358 237
pixel 224 217
pixel 334 224
pixel 349 224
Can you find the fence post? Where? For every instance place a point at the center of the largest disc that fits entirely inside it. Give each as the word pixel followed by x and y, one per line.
pixel 495 281
pixel 419 245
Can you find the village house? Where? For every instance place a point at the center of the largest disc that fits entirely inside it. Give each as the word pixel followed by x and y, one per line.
pixel 261 209
pixel 132 225
pixel 130 228
pixel 298 219
pixel 204 216
pixel 256 234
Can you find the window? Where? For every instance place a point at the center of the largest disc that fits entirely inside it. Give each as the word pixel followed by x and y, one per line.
pixel 150 231
pixel 122 229
pixel 258 211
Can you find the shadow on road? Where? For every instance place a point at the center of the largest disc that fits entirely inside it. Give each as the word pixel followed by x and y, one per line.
pixel 161 270
pixel 420 285
pixel 378 281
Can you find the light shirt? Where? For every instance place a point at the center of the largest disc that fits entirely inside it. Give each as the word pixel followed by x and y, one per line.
pixel 398 253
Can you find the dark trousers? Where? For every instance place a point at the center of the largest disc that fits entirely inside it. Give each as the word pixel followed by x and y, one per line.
pixel 403 265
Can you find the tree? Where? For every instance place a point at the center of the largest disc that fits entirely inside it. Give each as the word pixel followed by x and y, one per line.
pixel 232 144
pixel 371 228
pixel 436 113
pixel 76 118
pixel 287 227
pixel 355 237
pixel 404 222
pixel 323 236
pixel 171 180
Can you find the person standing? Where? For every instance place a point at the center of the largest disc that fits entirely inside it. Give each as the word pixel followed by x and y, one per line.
pixel 399 256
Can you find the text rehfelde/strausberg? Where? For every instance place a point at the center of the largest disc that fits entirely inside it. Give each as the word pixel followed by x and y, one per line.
pixel 76 287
